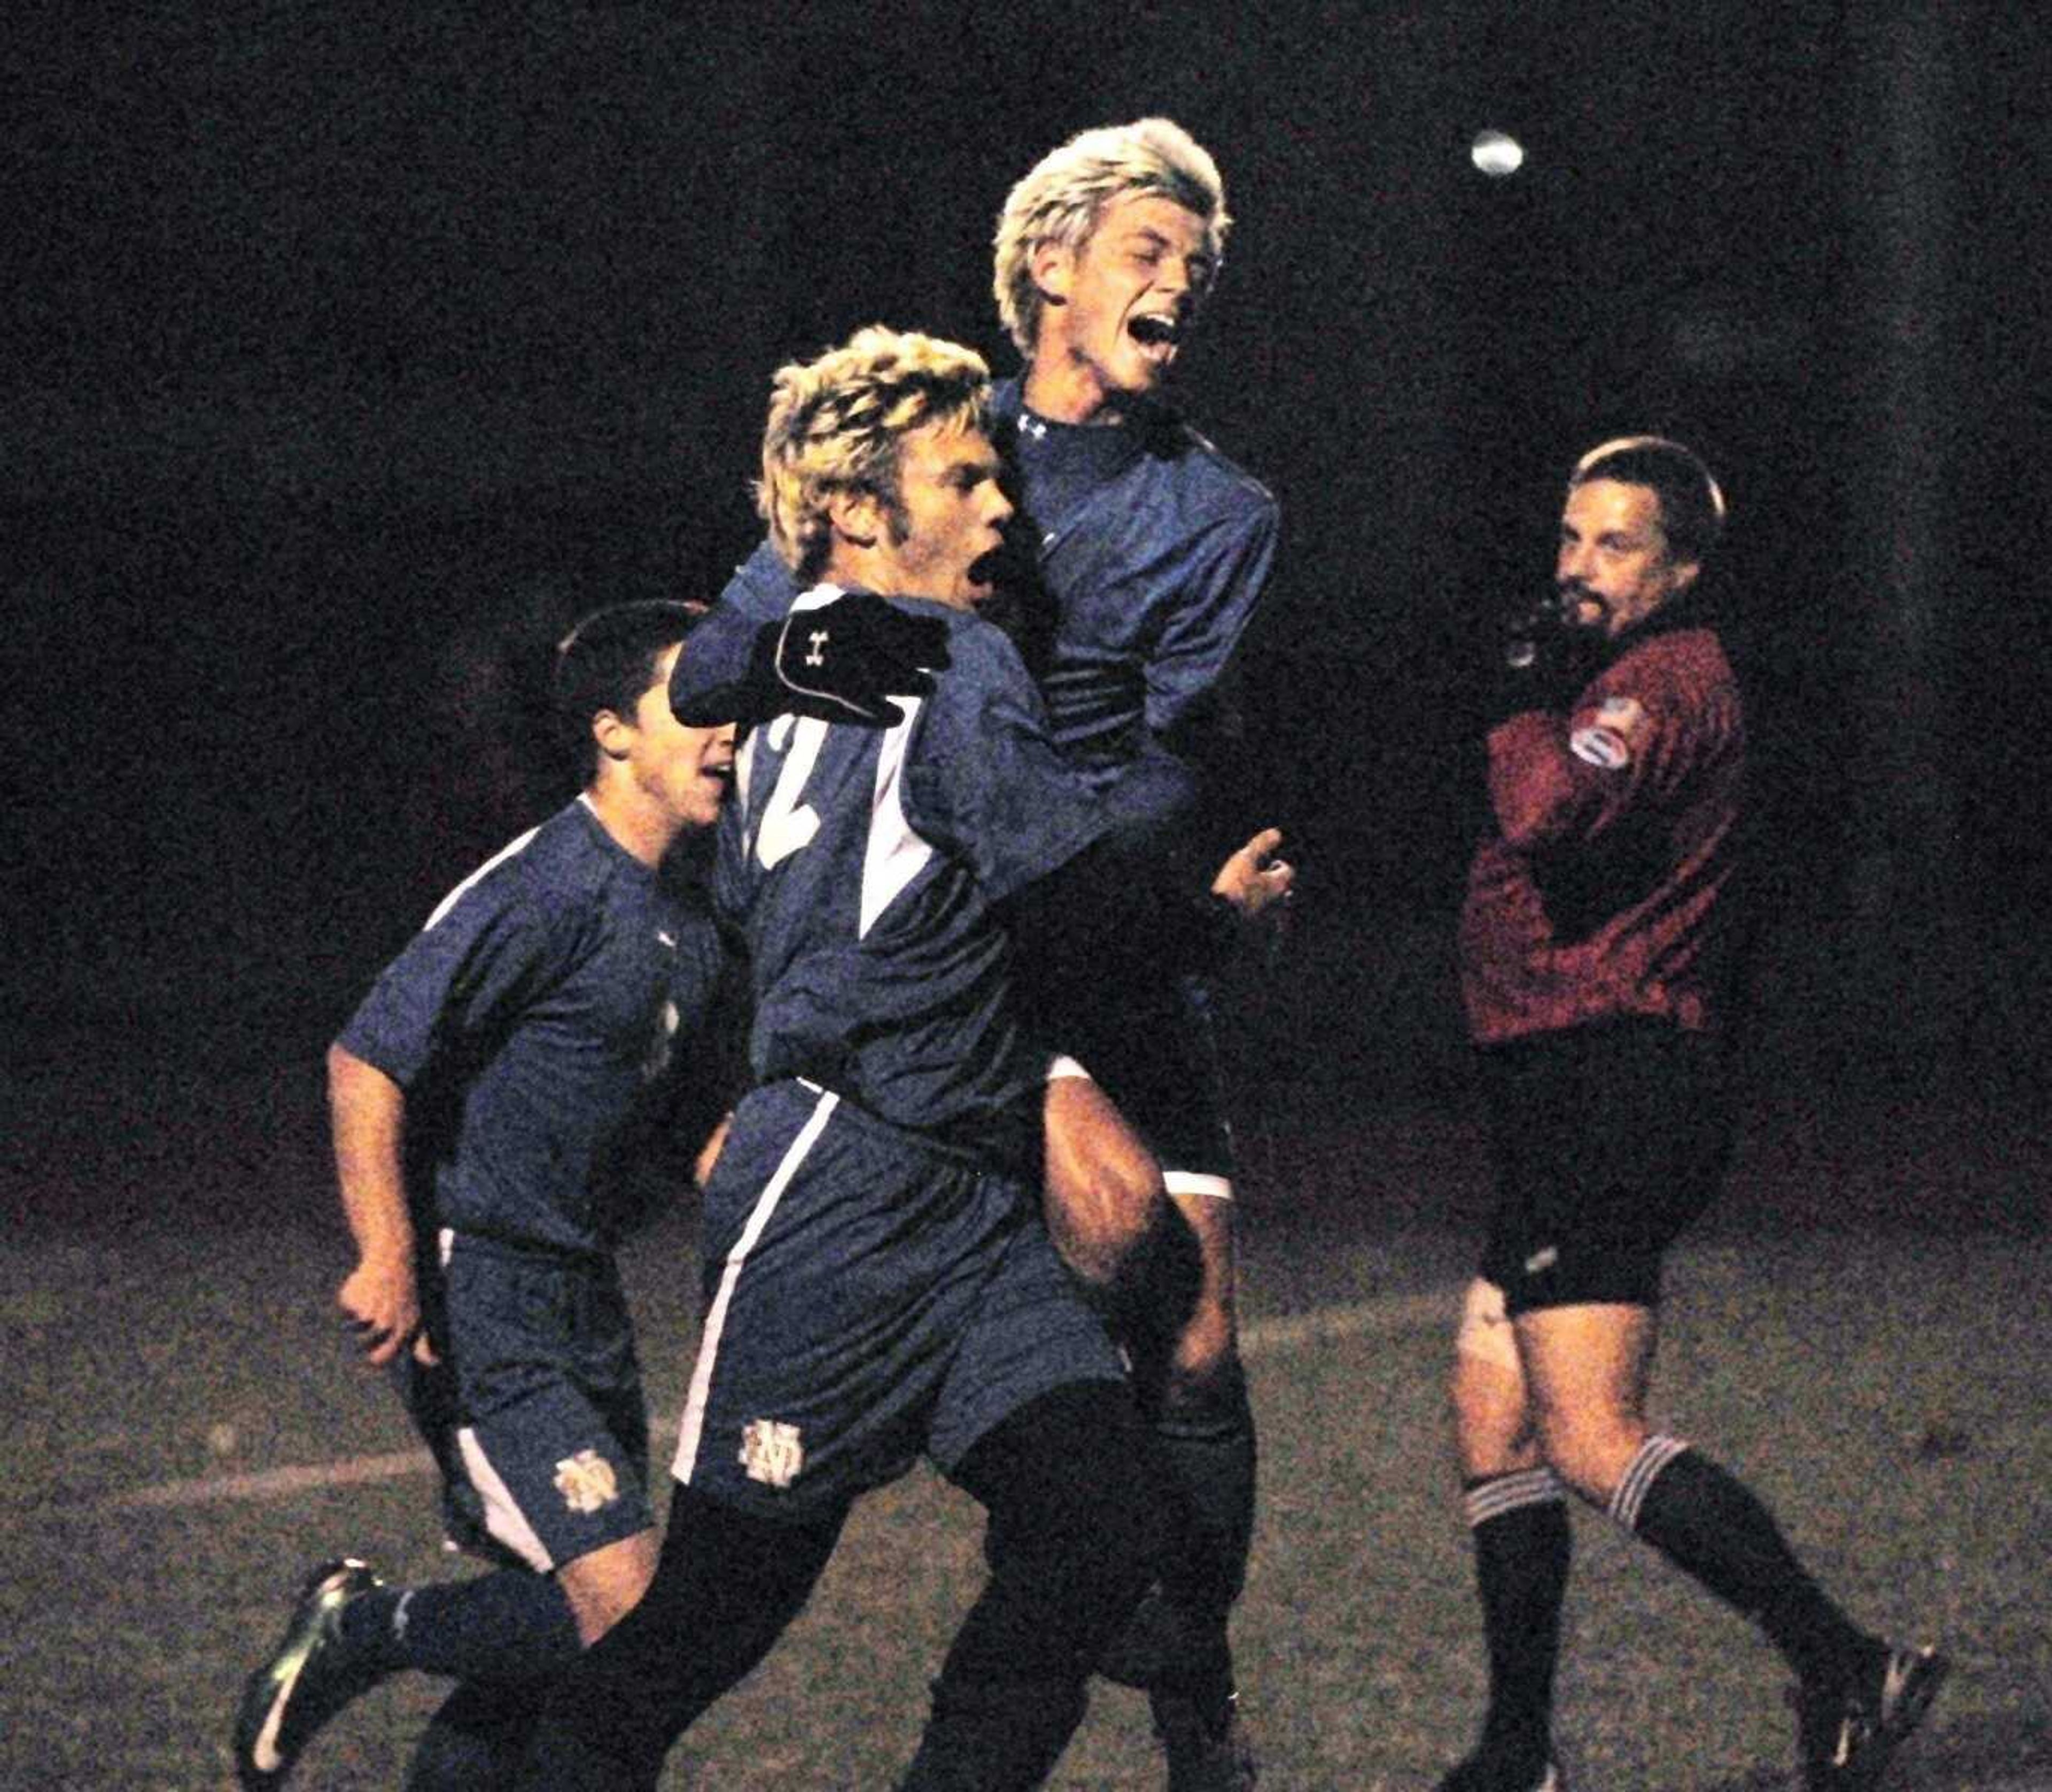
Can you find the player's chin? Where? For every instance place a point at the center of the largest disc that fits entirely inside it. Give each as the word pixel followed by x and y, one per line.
pixel 1142 375
pixel 1144 365
pixel 710 794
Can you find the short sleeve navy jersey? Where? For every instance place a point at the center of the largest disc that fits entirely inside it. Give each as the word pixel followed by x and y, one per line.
pixel 865 867
pixel 1154 546
pixel 539 1007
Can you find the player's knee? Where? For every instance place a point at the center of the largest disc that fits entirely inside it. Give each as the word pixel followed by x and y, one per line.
pixel 1589 1448
pixel 1102 1216
pixel 605 1585
pixel 1106 1203
pixel 1205 1380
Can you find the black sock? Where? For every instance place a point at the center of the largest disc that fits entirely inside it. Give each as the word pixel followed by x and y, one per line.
pixel 1523 1545
pixel 475 1742
pixel 1004 1737
pixel 1710 1527
pixel 1209 1448
pixel 511 1624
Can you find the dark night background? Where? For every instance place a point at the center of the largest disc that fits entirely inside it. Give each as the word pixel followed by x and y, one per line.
pixel 351 352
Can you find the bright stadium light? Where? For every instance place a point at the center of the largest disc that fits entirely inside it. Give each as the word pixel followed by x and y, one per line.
pixel 1496 154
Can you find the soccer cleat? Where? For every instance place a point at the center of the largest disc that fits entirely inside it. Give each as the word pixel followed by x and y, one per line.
pixel 309 1677
pixel 1485 1772
pixel 1203 1756
pixel 1847 1734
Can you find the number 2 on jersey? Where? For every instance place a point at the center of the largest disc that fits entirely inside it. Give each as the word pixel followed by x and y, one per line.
pixel 787 824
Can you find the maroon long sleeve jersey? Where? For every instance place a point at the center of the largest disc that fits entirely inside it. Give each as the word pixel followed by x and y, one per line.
pixel 1595 893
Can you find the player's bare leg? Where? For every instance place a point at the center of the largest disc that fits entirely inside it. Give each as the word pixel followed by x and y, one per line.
pixel 1105 1199
pixel 1165 1266
pixel 1857 1697
pixel 1517 1518
pixel 605 1585
pixel 1586 1368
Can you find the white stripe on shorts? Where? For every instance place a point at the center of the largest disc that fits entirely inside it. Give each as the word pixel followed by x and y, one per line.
pixel 765 1205
pixel 503 1515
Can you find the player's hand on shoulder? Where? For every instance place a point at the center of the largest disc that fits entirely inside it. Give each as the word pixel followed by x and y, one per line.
pixel 1253 880
pixel 844 660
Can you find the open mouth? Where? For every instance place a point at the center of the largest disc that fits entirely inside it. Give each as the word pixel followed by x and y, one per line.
pixel 1157 334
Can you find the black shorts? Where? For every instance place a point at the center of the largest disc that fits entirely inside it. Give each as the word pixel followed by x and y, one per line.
pixel 1609 1141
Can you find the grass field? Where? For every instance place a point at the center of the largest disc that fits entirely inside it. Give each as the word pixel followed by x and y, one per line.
pixel 1875 1362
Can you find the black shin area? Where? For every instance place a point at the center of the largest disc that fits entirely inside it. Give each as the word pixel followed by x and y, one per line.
pixel 1206 1434
pixel 1075 1535
pixel 476 1741
pixel 726 1584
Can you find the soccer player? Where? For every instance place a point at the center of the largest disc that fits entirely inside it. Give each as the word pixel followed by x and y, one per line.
pixel 1151 549
pixel 1596 947
pixel 878 1281
pixel 508 1071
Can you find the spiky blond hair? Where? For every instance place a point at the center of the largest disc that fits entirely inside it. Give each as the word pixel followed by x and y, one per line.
pixel 1060 200
pixel 836 424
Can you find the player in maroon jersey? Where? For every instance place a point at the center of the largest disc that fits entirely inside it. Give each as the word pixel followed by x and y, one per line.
pixel 1596 946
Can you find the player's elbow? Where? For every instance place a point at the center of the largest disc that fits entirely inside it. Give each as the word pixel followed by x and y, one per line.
pixel 353 1082
pixel 1531 811
pixel 1101 1216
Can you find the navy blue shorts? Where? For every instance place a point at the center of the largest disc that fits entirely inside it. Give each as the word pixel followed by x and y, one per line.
pixel 1609 1140
pixel 869 1297
pixel 537 1414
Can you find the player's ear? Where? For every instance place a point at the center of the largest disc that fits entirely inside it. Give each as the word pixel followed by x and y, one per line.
pixel 614 735
pixel 857 517
pixel 1053 266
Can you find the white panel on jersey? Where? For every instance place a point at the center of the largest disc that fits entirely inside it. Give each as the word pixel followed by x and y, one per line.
pixel 498 858
pixel 787 824
pixel 893 855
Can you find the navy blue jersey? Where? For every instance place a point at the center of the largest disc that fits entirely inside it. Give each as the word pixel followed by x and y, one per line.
pixel 1155 549
pixel 534 1018
pixel 1152 547
pixel 866 866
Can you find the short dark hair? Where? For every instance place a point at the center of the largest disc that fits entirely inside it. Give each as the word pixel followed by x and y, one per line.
pixel 1692 503
pixel 607 662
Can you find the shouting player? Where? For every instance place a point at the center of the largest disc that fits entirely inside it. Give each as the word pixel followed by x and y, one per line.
pixel 879 1284
pixel 1150 550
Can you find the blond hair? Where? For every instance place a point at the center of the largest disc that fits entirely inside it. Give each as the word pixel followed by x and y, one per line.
pixel 1060 200
pixel 835 422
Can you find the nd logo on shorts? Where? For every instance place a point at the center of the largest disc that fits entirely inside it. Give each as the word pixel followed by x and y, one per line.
pixel 586 1482
pixel 771 1453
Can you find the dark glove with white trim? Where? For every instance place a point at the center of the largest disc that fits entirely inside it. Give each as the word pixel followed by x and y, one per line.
pixel 841 661
pixel 1544 659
